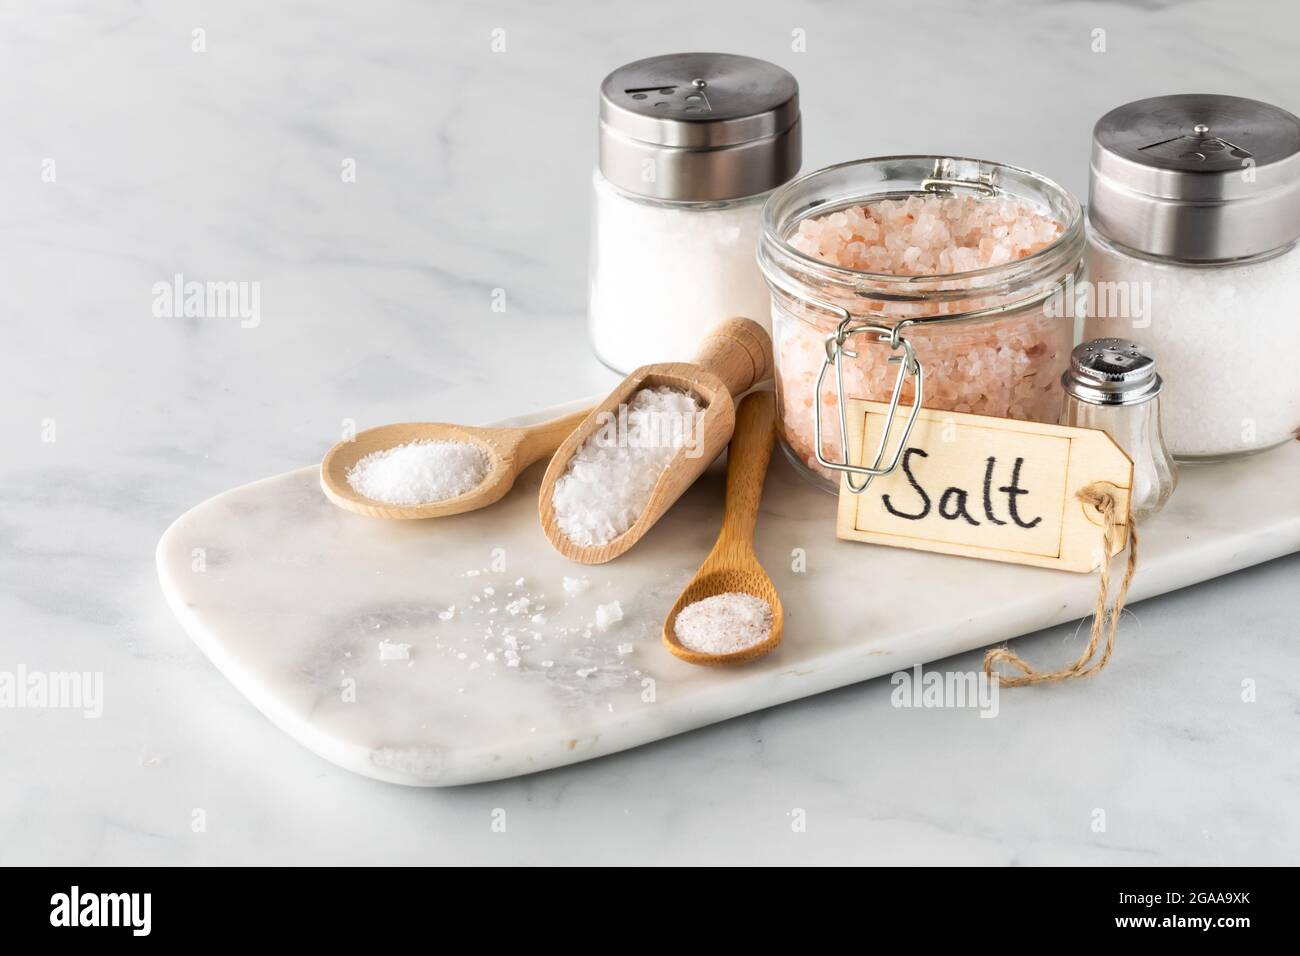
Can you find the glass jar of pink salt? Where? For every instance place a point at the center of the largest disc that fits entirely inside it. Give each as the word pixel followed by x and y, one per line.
pixel 954 276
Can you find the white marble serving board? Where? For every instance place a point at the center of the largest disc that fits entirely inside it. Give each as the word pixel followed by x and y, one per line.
pixel 290 598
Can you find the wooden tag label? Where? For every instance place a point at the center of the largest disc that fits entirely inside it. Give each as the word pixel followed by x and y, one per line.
pixel 984 488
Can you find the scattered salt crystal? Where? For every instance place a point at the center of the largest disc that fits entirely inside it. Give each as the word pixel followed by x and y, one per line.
pixel 390 651
pixel 548 663
pixel 607 614
pixel 471 573
pixel 419 472
pixel 538 619
pixel 517 606
pixel 611 476
pixel 585 672
pixel 519 582
pixel 724 623
pixel 625 649
pixel 489 591
pixel 574 586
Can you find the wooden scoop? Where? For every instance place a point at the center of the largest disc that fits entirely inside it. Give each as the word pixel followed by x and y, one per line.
pixel 731 565
pixel 509 451
pixel 736 355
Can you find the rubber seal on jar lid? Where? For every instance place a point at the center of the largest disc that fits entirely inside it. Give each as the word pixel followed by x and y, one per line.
pixel 699 127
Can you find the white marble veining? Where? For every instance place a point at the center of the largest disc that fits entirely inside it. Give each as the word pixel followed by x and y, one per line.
pixel 472 175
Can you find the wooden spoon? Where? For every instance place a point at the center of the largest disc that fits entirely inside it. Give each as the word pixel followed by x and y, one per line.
pixel 736 354
pixel 731 565
pixel 509 451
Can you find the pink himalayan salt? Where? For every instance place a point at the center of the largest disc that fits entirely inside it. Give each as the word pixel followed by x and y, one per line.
pixel 1006 368
pixel 927 235
pixel 724 623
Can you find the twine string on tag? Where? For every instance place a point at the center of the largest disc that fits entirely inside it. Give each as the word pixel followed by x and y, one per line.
pixel 1104 624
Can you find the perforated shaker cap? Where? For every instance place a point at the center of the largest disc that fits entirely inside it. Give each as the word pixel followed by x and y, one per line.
pixel 1112 371
pixel 699 127
pixel 1197 177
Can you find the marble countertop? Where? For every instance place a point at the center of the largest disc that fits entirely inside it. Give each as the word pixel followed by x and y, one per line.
pixel 132 157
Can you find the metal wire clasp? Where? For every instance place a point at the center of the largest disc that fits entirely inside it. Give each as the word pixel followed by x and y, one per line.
pixel 908 365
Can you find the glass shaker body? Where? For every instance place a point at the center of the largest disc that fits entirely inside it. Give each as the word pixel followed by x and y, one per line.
pixel 689 147
pixel 1194 255
pixel 1136 429
pixel 1224 402
pixel 663 273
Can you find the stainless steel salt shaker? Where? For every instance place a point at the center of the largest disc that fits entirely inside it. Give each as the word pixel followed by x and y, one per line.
pixel 691 145
pixel 1194 233
pixel 1112 385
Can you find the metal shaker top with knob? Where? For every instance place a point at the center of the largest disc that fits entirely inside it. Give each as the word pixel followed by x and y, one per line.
pixel 699 127
pixel 1112 371
pixel 1197 177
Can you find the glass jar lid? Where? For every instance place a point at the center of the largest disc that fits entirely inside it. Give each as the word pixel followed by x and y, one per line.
pixel 1197 177
pixel 699 127
pixel 1112 371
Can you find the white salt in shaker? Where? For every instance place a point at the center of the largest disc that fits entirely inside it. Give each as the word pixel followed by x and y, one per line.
pixel 690 146
pixel 1112 385
pixel 1194 217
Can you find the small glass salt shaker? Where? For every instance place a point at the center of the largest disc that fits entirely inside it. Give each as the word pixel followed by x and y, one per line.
pixel 1112 385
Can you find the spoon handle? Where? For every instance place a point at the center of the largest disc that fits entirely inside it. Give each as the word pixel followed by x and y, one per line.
pixel 738 351
pixel 748 456
pixel 542 439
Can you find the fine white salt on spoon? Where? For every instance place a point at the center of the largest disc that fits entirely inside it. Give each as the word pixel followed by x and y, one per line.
pixel 419 472
pixel 460 468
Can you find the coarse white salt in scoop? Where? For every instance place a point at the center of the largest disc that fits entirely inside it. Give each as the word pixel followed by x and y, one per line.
pixel 724 623
pixel 613 473
pixel 420 472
